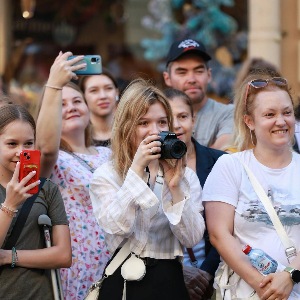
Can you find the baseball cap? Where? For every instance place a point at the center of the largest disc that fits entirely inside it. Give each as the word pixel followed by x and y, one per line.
pixel 186 46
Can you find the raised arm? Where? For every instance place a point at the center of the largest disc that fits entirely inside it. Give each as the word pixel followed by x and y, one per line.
pixel 49 121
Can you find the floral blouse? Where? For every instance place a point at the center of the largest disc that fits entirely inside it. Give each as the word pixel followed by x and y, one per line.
pixel 89 253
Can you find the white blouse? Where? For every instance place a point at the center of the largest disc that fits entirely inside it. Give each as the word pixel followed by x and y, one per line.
pixel 122 210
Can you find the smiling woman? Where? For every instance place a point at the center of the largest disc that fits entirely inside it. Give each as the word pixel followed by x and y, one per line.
pixel 235 215
pixel 72 161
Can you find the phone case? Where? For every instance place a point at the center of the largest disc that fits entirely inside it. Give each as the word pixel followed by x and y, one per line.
pixel 30 161
pixel 93 65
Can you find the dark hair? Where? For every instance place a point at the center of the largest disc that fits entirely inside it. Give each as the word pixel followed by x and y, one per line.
pixel 11 112
pixel 105 72
pixel 172 93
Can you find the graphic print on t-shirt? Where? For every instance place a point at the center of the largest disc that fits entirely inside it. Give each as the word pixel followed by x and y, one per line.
pixel 289 215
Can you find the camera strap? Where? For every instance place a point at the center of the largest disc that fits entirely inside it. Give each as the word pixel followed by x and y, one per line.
pixel 21 220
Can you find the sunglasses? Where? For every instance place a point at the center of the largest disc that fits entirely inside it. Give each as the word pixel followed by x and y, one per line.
pixel 261 83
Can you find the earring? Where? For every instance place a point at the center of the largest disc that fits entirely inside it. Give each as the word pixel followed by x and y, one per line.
pixel 117 98
pixel 251 137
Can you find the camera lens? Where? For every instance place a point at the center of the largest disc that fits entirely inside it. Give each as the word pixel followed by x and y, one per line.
pixel 25 153
pixel 94 59
pixel 173 148
pixel 178 149
pixel 28 157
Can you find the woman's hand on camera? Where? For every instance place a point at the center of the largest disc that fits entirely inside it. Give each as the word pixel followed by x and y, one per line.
pixel 174 176
pixel 148 150
pixel 62 70
pixel 16 192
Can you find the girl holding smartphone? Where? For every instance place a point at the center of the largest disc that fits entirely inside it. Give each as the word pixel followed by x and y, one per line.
pixel 28 262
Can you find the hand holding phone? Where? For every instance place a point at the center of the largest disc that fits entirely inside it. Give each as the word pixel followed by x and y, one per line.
pixel 93 65
pixel 30 161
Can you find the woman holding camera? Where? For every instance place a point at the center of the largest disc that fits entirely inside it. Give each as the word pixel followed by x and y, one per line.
pixel 122 197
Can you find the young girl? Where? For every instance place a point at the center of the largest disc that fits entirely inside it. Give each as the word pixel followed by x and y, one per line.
pixel 234 213
pixel 101 94
pixel 64 135
pixel 122 198
pixel 25 276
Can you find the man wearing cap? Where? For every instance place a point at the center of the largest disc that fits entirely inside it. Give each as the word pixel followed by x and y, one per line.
pixel 188 71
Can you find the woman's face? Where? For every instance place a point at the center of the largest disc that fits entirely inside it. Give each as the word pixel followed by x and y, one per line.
pixel 75 113
pixel 273 119
pixel 15 137
pixel 152 123
pixel 100 94
pixel 183 121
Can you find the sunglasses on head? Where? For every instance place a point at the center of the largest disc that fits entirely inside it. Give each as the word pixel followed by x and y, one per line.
pixel 261 83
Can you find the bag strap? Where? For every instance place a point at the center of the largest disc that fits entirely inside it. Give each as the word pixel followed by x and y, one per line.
pixel 82 162
pixel 290 250
pixel 193 259
pixel 125 250
pixel 22 217
pixel 21 220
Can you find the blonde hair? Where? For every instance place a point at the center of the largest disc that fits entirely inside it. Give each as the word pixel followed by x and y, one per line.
pixel 240 136
pixel 134 104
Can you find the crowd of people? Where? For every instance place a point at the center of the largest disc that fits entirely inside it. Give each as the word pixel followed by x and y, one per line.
pixel 108 188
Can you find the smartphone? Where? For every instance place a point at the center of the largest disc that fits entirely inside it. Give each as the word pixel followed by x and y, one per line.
pixel 93 65
pixel 30 161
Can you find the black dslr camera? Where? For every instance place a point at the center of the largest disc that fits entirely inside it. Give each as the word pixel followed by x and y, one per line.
pixel 171 146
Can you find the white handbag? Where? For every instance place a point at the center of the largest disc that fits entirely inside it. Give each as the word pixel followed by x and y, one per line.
pixel 228 284
pixel 134 268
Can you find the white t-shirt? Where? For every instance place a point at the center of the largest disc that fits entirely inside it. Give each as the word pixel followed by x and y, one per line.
pixel 252 224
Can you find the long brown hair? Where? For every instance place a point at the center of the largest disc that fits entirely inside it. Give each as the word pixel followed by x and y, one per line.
pixel 88 130
pixel 134 104
pixel 11 112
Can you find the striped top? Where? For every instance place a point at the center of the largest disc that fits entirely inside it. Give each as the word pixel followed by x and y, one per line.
pixel 122 210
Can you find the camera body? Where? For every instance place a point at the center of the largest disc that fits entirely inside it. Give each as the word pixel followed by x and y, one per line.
pixel 171 146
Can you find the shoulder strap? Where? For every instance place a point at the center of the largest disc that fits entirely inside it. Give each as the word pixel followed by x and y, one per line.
pixel 290 250
pixel 82 162
pixel 22 217
pixel 125 250
pixel 159 182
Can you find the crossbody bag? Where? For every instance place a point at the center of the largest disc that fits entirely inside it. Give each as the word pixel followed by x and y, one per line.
pixel 21 220
pixel 134 268
pixel 228 284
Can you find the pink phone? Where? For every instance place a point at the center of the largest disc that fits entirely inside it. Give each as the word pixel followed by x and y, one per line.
pixel 30 161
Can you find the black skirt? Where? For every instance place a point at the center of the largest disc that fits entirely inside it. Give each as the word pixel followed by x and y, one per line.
pixel 163 281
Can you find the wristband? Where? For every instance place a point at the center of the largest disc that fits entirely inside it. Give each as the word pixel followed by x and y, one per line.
pixel 13 262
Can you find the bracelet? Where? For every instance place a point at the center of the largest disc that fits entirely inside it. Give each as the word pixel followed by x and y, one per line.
pixel 13 262
pixel 8 211
pixel 53 87
pixel 12 210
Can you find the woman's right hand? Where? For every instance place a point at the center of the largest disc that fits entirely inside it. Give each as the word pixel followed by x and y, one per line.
pixel 62 70
pixel 148 150
pixel 16 192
